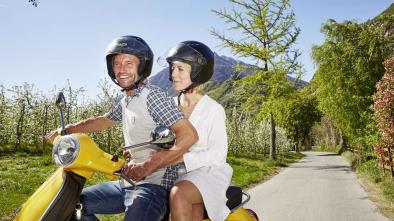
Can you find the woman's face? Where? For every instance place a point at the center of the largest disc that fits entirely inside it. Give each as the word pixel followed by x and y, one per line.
pixel 180 74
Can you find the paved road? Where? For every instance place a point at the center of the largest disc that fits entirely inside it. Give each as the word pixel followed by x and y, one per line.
pixel 321 187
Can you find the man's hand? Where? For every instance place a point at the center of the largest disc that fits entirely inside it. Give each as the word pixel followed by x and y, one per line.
pixel 136 171
pixel 51 136
pixel 127 155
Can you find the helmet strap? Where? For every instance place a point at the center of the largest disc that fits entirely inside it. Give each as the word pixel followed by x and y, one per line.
pixel 187 90
pixel 133 86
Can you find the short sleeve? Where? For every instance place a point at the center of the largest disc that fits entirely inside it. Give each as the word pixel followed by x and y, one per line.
pixel 162 108
pixel 115 114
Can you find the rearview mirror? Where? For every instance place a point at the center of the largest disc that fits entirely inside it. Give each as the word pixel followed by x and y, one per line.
pixel 163 137
pixel 60 101
pixel 61 105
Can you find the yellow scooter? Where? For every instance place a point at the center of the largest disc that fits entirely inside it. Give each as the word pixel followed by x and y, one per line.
pixel 78 157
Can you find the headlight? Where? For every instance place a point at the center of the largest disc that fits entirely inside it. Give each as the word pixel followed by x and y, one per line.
pixel 65 151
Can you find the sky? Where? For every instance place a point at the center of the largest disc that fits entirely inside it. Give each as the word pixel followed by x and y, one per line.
pixel 65 40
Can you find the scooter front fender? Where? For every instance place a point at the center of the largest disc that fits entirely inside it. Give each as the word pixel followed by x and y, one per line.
pixel 53 200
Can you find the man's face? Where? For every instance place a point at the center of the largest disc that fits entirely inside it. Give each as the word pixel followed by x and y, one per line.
pixel 126 69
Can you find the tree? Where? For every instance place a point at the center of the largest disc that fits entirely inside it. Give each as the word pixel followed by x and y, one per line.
pixel 4 116
pixel 384 114
pixel 34 2
pixel 268 34
pixel 349 65
pixel 297 113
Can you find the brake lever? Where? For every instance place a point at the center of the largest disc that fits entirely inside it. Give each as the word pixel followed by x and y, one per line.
pixel 122 175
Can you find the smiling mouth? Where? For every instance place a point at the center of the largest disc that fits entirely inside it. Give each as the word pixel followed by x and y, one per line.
pixel 123 77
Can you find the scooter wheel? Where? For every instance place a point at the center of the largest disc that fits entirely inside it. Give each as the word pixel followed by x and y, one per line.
pixel 253 214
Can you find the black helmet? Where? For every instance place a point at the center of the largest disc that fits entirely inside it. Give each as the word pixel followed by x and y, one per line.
pixel 134 46
pixel 198 56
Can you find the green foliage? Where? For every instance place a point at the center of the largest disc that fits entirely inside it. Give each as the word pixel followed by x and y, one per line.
pixel 251 92
pixel 324 148
pixel 34 2
pixel 268 33
pixel 249 137
pixel 20 176
pixel 296 113
pixel 27 114
pixel 41 116
pixel 34 170
pixel 349 65
pixel 248 171
pixel 377 175
pixel 224 93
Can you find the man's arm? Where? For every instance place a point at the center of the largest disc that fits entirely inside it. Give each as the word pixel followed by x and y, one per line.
pixel 92 124
pixel 186 136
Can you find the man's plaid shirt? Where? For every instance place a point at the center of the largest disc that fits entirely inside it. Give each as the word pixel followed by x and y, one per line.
pixel 163 111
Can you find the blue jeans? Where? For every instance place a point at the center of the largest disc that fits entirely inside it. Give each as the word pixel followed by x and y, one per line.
pixel 149 202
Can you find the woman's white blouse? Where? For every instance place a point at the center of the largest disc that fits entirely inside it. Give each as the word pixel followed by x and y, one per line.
pixel 209 119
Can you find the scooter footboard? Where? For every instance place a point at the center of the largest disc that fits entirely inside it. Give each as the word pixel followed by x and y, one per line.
pixel 55 199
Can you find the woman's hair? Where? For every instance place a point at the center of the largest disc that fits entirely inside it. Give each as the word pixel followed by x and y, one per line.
pixel 200 88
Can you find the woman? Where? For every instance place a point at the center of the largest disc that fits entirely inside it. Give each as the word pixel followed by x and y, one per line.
pixel 207 174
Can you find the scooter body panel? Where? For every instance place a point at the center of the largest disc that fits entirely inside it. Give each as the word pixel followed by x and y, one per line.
pixel 55 199
pixel 92 158
pixel 238 215
pixel 34 208
pixel 65 185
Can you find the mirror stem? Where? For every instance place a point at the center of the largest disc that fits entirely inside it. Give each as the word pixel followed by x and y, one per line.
pixel 63 132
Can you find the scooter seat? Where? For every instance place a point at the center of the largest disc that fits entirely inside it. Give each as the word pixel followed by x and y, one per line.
pixel 234 198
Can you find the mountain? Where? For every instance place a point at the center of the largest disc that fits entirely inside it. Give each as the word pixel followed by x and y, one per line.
pixel 386 19
pixel 224 70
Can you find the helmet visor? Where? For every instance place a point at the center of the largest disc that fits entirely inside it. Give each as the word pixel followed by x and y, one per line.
pixel 187 54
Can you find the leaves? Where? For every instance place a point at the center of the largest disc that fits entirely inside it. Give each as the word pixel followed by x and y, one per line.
pixel 268 33
pixel 349 65
pixel 384 104
pixel 27 114
pixel 34 2
pixel 249 137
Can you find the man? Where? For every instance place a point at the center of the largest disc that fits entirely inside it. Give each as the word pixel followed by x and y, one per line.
pixel 129 62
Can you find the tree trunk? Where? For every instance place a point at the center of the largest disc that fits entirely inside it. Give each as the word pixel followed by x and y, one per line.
pixel 109 136
pixel 273 137
pixel 307 143
pixel 342 142
pixel 297 146
pixel 44 125
pixel 19 127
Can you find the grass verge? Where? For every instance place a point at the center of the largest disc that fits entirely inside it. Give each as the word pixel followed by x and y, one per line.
pixel 334 149
pixel 378 184
pixel 22 174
